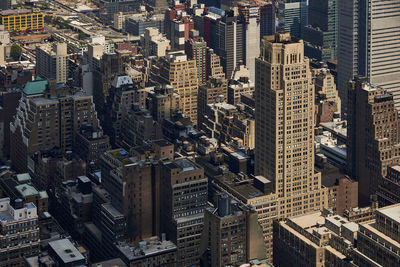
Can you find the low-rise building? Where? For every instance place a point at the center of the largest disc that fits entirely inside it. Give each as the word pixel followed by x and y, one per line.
pixel 19 233
pixel 22 20
pixel 150 252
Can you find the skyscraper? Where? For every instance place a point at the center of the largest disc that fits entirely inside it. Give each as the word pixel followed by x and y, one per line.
pixel 184 197
pixel 224 33
pixel 293 16
pixel 372 136
pixel 320 36
pixel 284 152
pixel 250 14
pixel 196 48
pixel 368 45
pixel 181 74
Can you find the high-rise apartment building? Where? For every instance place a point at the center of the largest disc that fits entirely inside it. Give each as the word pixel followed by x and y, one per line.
pixel 293 16
pixel 19 234
pixel 129 183
pixel 367 45
pixel 110 65
pixel 196 48
pixel 184 197
pixel 154 43
pixel 45 122
pixel 181 73
pixel 51 62
pixel 90 143
pixel 214 68
pixel 256 193
pixel 320 36
pixel 372 135
pixel 284 141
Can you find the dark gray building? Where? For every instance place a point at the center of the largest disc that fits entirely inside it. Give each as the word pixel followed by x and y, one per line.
pixel 320 36
pixel 226 38
pixel 184 193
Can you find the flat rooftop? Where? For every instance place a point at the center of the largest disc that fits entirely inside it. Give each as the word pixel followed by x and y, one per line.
pixel 393 212
pixel 66 250
pixel 112 210
pixel 243 186
pixel 183 164
pixel 308 220
pixel 16 12
pixel 147 248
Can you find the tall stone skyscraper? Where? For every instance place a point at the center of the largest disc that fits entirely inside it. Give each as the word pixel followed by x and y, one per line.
pixel 372 136
pixel 368 45
pixel 284 95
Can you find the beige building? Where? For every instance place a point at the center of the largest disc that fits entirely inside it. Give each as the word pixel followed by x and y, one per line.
pixel 373 136
pixel 119 21
pixel 229 123
pixel 154 43
pixel 327 99
pixel 52 61
pixel 239 84
pixel 214 67
pixel 314 240
pixel 181 73
pixel 378 241
pixel 284 140
pixel 209 92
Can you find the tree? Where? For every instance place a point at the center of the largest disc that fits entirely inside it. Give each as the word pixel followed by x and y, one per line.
pixel 15 52
pixel 48 19
pixel 82 36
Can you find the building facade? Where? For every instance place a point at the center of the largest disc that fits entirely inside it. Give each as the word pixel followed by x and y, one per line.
pixel 366 45
pixel 51 62
pixel 22 20
pixel 372 142
pixel 284 140
pixel 182 210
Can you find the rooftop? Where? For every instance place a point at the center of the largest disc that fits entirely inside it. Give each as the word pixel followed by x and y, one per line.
pixel 36 87
pixel 26 190
pixel 308 220
pixel 112 210
pixel 23 177
pixel 66 250
pixel 393 212
pixel 15 12
pixel 184 164
pixel 241 184
pixel 147 248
